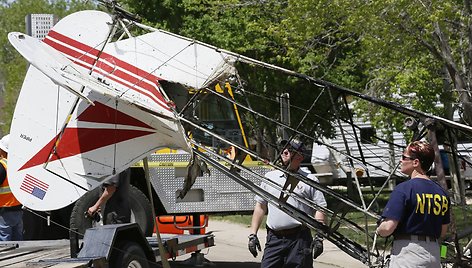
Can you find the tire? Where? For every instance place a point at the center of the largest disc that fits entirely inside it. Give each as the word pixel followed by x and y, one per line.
pixel 78 220
pixel 141 211
pixel 128 254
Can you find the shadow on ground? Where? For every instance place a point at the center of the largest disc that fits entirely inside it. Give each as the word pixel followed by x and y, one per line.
pixel 217 264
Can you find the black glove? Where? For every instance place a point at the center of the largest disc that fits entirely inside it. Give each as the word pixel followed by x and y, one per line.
pixel 253 244
pixel 317 246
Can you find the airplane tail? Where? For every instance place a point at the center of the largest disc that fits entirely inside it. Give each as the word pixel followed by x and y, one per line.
pixel 83 114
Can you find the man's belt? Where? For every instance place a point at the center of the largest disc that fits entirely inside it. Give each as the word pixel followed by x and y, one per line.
pixel 412 237
pixel 287 232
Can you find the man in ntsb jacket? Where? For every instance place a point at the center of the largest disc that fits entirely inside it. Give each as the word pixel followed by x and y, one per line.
pixel 11 213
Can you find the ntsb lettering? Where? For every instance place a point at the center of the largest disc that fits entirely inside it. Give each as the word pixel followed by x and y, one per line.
pixel 431 204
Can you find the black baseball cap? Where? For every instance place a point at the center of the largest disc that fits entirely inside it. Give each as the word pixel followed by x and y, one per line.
pixel 295 144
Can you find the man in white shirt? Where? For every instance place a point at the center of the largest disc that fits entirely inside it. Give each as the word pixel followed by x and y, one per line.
pixel 289 242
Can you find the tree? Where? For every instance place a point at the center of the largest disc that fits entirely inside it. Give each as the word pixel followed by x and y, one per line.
pixel 404 47
pixel 12 65
pixel 413 52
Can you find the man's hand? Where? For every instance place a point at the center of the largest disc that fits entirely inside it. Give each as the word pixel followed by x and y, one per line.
pixel 317 246
pixel 253 244
pixel 93 213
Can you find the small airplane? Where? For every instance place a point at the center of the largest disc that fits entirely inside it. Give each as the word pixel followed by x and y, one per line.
pixel 93 103
pixel 121 113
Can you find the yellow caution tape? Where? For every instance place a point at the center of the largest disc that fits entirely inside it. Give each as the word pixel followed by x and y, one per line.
pixel 162 164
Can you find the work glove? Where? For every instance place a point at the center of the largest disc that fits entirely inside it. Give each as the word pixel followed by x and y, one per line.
pixel 253 244
pixel 317 246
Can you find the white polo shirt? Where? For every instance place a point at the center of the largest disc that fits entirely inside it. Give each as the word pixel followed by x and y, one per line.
pixel 276 218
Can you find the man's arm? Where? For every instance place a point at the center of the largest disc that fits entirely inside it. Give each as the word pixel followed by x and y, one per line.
pixel 253 244
pixel 320 216
pixel 387 227
pixel 444 230
pixel 320 200
pixel 108 191
pixel 260 210
pixel 317 243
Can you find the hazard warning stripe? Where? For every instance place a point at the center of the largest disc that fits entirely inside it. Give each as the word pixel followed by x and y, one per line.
pixel 113 68
pixel 179 164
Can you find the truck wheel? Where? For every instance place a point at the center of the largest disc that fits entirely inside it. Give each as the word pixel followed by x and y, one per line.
pixel 129 255
pixel 78 220
pixel 141 211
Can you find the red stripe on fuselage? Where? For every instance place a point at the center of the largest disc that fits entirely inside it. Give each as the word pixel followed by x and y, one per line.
pixel 100 113
pixel 81 140
pixel 89 56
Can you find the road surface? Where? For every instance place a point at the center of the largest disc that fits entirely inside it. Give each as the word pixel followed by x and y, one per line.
pixel 230 250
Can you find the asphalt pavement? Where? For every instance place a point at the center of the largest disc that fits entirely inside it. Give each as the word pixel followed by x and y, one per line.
pixel 230 250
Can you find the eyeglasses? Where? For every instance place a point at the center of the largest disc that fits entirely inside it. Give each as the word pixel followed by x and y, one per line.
pixel 292 151
pixel 405 157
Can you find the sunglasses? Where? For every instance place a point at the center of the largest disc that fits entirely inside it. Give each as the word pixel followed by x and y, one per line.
pixel 405 157
pixel 292 151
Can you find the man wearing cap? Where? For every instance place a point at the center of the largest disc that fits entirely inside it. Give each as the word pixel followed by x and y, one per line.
pixel 11 214
pixel 289 242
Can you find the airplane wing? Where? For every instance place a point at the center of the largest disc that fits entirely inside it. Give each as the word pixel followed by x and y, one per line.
pixel 45 59
pixel 175 58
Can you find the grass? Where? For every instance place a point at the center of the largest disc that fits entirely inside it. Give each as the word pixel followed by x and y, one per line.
pixel 462 216
pixel 241 219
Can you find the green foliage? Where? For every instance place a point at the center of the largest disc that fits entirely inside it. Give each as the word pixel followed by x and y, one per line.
pixel 387 49
pixel 12 65
pixel 461 221
pixel 321 41
pixel 412 52
pixel 240 219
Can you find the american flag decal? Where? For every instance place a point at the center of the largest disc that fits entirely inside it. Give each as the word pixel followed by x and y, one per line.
pixel 34 186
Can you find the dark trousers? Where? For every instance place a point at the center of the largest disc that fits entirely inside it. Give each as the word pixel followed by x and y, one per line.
pixel 117 208
pixel 288 251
